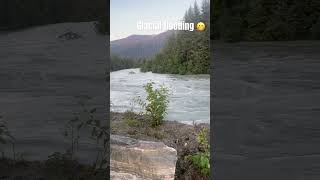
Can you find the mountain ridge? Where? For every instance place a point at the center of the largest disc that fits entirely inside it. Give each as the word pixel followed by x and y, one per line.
pixel 139 46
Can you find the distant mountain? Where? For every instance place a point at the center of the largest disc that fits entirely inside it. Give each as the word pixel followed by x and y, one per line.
pixel 139 46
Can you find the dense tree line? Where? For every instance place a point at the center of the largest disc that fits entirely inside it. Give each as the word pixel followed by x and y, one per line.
pixel 16 14
pixel 186 52
pixel 263 20
pixel 118 63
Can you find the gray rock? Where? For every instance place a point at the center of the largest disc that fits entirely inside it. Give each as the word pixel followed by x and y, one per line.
pixel 69 36
pixel 143 159
pixel 123 176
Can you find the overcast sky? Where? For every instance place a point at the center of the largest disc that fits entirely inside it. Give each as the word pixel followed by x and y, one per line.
pixel 124 14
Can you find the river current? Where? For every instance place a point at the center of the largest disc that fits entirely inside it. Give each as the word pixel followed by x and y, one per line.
pixel 189 99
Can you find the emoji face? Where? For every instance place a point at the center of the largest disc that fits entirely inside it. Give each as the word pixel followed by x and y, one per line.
pixel 201 26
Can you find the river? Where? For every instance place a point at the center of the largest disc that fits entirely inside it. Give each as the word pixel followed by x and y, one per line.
pixel 189 99
pixel 42 82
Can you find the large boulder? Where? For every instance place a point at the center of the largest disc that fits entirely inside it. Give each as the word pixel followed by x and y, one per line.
pixel 141 159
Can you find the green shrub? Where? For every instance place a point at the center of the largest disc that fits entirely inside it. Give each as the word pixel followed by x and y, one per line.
pixel 201 160
pixel 159 135
pixel 156 103
pixel 87 120
pixel 202 139
pixel 130 118
pixel 132 122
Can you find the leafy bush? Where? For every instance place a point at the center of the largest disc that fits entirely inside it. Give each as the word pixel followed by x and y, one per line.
pixel 201 160
pixel 156 103
pixel 130 120
pixel 202 139
pixel 99 132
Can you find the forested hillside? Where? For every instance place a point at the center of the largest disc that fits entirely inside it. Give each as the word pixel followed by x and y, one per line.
pixel 17 14
pixel 118 63
pixel 139 46
pixel 265 20
pixel 185 52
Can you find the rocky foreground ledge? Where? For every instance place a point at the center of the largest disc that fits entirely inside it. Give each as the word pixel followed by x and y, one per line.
pixel 136 159
pixel 169 136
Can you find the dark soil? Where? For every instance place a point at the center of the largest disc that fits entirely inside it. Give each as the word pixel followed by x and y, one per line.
pixel 52 169
pixel 180 136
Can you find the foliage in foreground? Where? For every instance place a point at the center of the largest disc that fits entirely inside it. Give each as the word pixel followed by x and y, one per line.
pixel 156 103
pixel 201 160
pixel 63 166
pixel 87 120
